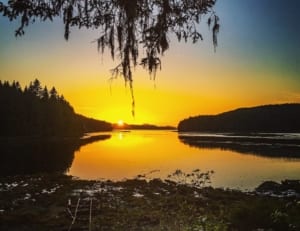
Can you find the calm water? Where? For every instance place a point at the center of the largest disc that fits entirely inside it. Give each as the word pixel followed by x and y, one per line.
pixel 127 154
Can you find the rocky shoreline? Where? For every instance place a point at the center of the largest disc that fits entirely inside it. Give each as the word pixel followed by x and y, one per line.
pixel 60 202
pixel 287 188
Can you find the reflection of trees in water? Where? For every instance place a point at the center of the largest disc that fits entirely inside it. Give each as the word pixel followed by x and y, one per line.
pixel 259 146
pixel 40 156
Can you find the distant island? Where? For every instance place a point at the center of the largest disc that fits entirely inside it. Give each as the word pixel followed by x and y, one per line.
pixel 36 111
pixel 142 127
pixel 267 118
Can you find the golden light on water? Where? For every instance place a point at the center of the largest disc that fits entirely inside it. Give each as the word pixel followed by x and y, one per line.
pixel 128 154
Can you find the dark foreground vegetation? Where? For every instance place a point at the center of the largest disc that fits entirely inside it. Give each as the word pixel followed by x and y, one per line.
pixel 269 118
pixel 35 111
pixel 60 202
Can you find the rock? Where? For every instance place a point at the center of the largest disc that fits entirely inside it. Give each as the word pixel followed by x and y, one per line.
pixel 268 186
pixel 287 188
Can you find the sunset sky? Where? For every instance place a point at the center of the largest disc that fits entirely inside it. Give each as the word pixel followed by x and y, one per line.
pixel 256 62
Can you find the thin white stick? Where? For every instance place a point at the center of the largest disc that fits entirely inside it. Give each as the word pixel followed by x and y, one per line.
pixel 90 218
pixel 75 215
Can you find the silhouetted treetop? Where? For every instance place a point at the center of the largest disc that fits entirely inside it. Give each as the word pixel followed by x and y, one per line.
pixel 35 111
pixel 126 26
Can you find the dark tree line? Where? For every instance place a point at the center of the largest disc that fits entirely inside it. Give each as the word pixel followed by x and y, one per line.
pixel 36 111
pixel 94 125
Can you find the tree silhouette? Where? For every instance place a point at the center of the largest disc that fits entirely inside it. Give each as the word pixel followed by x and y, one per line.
pixel 126 26
pixel 42 114
pixel 45 94
pixel 53 93
pixel 35 88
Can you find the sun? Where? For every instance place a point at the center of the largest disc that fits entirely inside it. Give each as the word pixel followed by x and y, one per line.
pixel 120 123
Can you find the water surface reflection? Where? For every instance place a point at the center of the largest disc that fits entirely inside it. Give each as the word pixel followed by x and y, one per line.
pixel 35 155
pixel 127 154
pixel 275 146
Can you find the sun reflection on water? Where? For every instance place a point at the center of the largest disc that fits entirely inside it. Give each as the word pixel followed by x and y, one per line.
pixel 130 153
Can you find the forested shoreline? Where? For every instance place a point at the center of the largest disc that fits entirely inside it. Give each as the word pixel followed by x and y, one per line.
pixel 266 118
pixel 36 111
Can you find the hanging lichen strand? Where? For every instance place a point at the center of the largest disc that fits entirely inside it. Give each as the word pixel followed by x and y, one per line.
pixel 126 26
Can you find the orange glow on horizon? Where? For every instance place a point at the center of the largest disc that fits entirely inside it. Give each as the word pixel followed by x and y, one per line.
pixel 194 80
pixel 120 123
pixel 160 106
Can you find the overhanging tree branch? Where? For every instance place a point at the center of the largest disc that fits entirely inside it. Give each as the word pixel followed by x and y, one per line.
pixel 126 26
